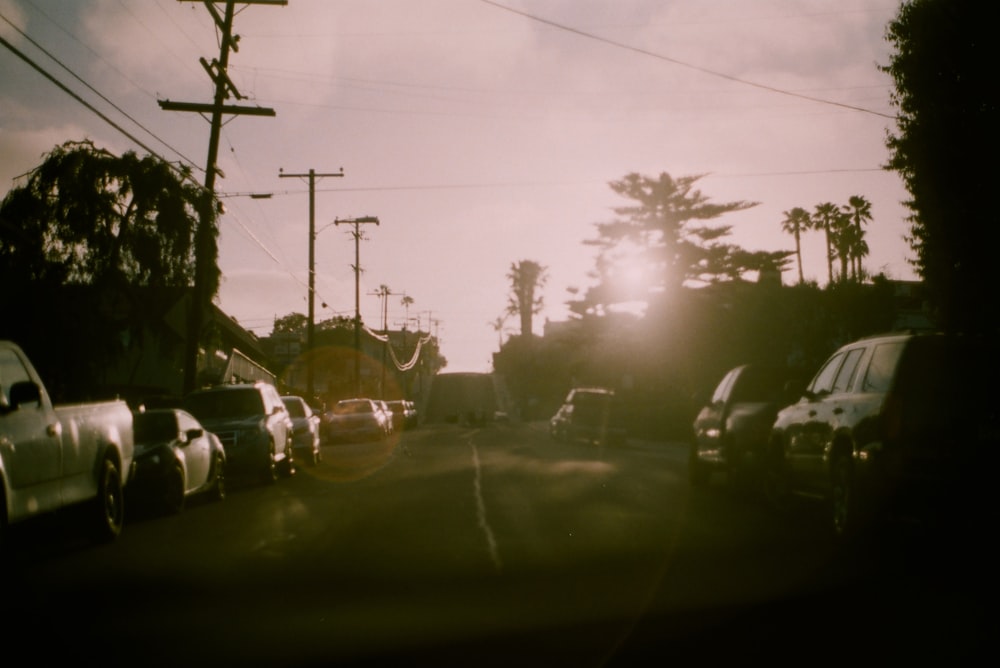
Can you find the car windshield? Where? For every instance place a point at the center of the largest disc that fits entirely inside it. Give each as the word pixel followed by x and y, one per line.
pixel 503 324
pixel 222 404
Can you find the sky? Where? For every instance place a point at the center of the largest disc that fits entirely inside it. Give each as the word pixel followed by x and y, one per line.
pixel 478 133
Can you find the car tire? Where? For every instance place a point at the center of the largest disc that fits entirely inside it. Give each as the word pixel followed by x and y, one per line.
pixel 269 474
pixel 845 519
pixel 775 481
pixel 287 468
pixel 219 486
pixel 173 491
pixel 698 473
pixel 109 506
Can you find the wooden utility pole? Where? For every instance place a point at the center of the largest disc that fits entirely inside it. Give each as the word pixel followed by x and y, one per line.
pixel 205 245
pixel 383 294
pixel 357 290
pixel 311 323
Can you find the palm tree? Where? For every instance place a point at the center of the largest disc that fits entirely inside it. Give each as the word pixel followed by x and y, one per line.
pixel 824 218
pixel 498 324
pixel 526 277
pixel 796 221
pixel 843 236
pixel 407 302
pixel 859 210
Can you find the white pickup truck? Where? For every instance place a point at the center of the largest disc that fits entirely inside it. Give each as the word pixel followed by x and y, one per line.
pixel 53 457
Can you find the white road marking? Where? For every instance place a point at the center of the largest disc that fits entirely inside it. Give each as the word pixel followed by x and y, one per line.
pixel 484 525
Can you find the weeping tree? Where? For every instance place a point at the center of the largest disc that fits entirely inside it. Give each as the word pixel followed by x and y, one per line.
pixel 88 222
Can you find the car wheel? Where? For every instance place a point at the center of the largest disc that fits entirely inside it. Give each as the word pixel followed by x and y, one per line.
pixel 843 499
pixel 109 506
pixel 698 473
pixel 173 492
pixel 775 481
pixel 269 474
pixel 3 522
pixel 219 487
pixel 288 463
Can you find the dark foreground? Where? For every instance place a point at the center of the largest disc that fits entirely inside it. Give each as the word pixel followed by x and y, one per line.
pixel 493 546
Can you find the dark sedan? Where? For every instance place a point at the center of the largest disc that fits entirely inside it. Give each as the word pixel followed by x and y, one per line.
pixel 175 458
pixel 732 428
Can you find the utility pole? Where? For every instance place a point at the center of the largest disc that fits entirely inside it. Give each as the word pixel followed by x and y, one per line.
pixel 311 326
pixel 383 294
pixel 357 222
pixel 205 246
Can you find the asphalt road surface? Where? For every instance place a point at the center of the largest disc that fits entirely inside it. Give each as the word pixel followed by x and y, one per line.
pixel 452 545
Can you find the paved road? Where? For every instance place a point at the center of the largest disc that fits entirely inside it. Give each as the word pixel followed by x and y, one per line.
pixel 463 546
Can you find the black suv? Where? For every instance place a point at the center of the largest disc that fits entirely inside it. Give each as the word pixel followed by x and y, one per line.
pixel 731 429
pixel 253 424
pixel 591 414
pixel 891 427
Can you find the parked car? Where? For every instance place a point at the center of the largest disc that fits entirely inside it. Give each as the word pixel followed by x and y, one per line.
pixel 590 414
pixel 56 455
pixel 305 430
pixel 404 414
pixel 388 418
pixel 730 432
pixel 356 420
pixel 891 427
pixel 253 424
pixel 175 458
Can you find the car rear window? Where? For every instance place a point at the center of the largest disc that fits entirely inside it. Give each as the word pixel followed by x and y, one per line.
pixel 225 404
pixel 154 427
pixel 353 407
pixel 295 408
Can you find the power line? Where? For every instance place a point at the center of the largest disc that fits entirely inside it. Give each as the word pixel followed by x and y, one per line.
pixel 681 63
pixel 97 92
pixel 93 109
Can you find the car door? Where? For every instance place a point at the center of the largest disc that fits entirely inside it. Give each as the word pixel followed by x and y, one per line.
pixel 30 440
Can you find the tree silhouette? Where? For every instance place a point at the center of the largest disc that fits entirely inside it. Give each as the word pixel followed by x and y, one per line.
pixel 859 209
pixel 797 221
pixel 944 147
pixel 88 217
pixel 825 218
pixel 663 234
pixel 101 245
pixel 526 278
pixel 498 324
pixel 844 239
